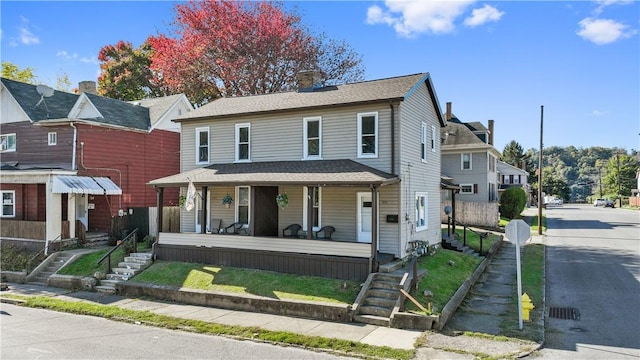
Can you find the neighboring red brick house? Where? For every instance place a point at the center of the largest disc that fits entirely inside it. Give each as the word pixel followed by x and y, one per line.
pixel 82 157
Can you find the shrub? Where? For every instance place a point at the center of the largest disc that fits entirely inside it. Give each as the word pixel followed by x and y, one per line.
pixel 512 202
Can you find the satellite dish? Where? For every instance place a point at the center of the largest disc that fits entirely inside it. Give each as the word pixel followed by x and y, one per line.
pixel 44 91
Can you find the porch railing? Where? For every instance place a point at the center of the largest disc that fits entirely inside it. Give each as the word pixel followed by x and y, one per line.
pixel 44 251
pixel 131 238
pixel 481 235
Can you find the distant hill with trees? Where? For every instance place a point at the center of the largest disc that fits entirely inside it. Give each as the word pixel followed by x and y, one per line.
pixel 578 174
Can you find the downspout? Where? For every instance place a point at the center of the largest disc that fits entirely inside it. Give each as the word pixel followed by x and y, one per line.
pixel 75 144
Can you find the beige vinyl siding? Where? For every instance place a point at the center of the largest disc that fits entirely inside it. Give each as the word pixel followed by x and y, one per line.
pixel 389 233
pixel 216 209
pixel 280 137
pixel 416 175
pixel 292 214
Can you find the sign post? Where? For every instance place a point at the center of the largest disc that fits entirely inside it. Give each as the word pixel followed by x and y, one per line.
pixel 518 232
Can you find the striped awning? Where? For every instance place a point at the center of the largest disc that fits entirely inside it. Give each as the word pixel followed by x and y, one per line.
pixel 84 185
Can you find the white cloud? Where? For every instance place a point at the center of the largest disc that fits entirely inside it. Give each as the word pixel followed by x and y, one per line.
pixel 483 15
pixel 412 17
pixel 26 36
pixel 596 113
pixel 603 31
pixel 89 60
pixel 65 55
pixel 604 3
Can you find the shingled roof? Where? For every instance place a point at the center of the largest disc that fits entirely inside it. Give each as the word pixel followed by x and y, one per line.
pixel 55 107
pixel 395 88
pixel 120 113
pixel 317 172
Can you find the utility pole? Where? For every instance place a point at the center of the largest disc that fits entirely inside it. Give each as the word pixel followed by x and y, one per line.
pixel 600 178
pixel 619 189
pixel 540 175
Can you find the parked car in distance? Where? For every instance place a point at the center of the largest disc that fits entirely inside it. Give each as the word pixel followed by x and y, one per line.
pixel 609 203
pixel 556 201
pixel 598 202
pixel 604 203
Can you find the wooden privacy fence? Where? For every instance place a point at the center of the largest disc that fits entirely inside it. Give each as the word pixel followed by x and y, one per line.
pixel 634 201
pixel 473 213
pixel 170 220
pixel 23 229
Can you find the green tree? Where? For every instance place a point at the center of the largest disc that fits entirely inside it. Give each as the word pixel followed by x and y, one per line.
pixel 513 154
pixel 554 184
pixel 512 202
pixel 63 83
pixel 13 72
pixel 620 175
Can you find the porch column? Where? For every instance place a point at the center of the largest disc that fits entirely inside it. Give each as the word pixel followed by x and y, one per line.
pixel 54 215
pixel 205 211
pixel 374 228
pixel 71 214
pixel 309 212
pixel 453 210
pixel 159 201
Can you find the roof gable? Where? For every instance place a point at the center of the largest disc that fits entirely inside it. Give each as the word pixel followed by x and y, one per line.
pixel 55 107
pixel 120 113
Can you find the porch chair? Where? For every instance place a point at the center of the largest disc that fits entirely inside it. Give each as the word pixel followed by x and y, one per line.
pixel 293 230
pixel 326 232
pixel 236 228
pixel 216 226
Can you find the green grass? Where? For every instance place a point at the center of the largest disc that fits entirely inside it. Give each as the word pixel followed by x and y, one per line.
pixel 533 222
pixel 533 284
pixel 341 347
pixel 87 265
pixel 248 281
pixel 442 279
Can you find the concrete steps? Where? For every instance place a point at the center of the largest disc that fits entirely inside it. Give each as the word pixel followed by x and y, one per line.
pixel 132 265
pixel 379 300
pixel 55 262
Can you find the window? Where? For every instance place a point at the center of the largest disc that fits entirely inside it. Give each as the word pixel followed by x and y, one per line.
pixel 468 188
pixel 242 205
pixel 316 201
pixel 434 137
pixel 8 142
pixel 202 145
pixel 368 135
pixel 312 138
pixel 52 138
pixel 421 211
pixel 8 203
pixel 423 142
pixel 466 161
pixel 492 163
pixel 516 180
pixel 243 142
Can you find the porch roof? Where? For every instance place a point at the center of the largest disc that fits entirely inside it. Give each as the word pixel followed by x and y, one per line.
pixel 84 185
pixel 311 172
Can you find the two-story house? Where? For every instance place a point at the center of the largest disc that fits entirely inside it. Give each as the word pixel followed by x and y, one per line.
pixel 359 164
pixel 510 176
pixel 71 159
pixel 470 160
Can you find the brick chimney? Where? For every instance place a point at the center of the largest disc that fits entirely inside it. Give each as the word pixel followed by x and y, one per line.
pixel 88 87
pixel 306 80
pixel 448 114
pixel 490 132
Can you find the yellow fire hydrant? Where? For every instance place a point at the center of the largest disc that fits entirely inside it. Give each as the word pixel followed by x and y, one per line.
pixel 526 307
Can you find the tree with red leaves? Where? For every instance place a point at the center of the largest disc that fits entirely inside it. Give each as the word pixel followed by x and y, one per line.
pixel 126 73
pixel 235 48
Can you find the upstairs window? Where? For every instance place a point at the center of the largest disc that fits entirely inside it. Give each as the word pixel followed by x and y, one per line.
pixel 465 160
pixel 368 135
pixel 423 142
pixel 468 188
pixel 52 138
pixel 313 138
pixel 8 142
pixel 8 203
pixel 434 137
pixel 202 145
pixel 243 142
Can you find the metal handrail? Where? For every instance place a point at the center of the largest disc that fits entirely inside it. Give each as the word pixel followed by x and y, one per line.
pixel 464 232
pixel 132 235
pixel 44 250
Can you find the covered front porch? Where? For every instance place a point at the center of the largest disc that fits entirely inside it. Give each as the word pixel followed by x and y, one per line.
pixel 341 193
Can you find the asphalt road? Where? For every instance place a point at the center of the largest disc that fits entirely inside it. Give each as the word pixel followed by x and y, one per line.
pixel 593 282
pixel 28 333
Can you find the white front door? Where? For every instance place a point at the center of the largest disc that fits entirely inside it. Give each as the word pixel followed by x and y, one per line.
pixel 364 217
pixel 82 213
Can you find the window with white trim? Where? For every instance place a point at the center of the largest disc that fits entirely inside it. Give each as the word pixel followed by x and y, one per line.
pixel 202 145
pixel 8 142
pixel 316 197
pixel 243 142
pixel 243 204
pixel 468 188
pixel 52 138
pixel 434 138
pixel 492 163
pixel 421 211
pixel 423 142
pixel 465 161
pixel 368 135
pixel 312 137
pixel 8 203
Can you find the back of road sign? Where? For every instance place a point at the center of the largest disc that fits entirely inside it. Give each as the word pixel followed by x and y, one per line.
pixel 518 231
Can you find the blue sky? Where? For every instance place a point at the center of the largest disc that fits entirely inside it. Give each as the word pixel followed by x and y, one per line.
pixel 499 60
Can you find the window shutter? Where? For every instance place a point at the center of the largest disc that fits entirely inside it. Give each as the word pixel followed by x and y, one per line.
pixel 475 188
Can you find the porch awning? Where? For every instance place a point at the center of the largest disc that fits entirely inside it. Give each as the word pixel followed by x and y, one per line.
pixel 85 185
pixel 311 172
